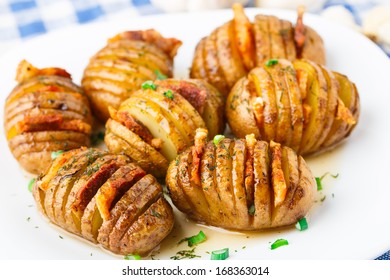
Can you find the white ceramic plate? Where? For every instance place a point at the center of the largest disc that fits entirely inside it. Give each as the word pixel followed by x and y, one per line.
pixel 351 223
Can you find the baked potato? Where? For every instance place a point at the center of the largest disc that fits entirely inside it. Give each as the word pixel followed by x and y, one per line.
pixel 234 48
pixel 44 113
pixel 106 199
pixel 241 184
pixel 300 104
pixel 129 59
pixel 159 121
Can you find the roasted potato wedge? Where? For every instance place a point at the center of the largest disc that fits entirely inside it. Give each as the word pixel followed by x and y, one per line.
pixel 159 121
pixel 106 199
pixel 129 59
pixel 45 113
pixel 299 104
pixel 236 47
pixel 241 184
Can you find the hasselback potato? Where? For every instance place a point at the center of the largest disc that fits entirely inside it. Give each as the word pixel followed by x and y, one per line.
pixel 241 184
pixel 239 45
pixel 300 104
pixel 106 199
pixel 159 121
pixel 45 112
pixel 129 59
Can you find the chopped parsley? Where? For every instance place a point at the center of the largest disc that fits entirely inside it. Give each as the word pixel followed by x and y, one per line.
pixel 185 254
pixel 149 85
pixel 54 155
pixel 159 75
pixel 31 184
pixel 168 94
pixel 271 62
pixel 218 138
pixel 156 214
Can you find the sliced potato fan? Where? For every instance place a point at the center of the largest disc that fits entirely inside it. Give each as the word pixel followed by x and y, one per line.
pixel 129 59
pixel 236 47
pixel 159 121
pixel 105 199
pixel 300 104
pixel 241 184
pixel 44 113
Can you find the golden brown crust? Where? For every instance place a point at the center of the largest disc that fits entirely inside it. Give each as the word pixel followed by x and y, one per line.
pixel 106 199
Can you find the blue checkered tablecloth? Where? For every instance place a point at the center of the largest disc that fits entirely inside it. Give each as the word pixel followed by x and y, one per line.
pixel 21 20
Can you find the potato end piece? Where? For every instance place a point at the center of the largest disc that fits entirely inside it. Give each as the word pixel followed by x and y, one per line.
pixel 26 71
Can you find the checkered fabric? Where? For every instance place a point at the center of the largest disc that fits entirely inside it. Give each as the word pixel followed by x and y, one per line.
pixel 24 19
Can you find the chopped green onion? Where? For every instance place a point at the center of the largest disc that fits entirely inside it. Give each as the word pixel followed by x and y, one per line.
pixel 54 155
pixel 148 85
pixel 302 224
pixel 218 138
pixel 319 183
pixel 278 243
pixel 31 184
pixel 132 257
pixel 222 254
pixel 252 210
pixel 159 75
pixel 196 239
pixel 271 62
pixel 168 94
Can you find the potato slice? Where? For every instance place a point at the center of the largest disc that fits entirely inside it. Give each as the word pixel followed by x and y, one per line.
pixel 284 124
pixel 263 196
pixel 346 95
pixel 277 43
pixel 287 33
pixel 119 139
pixel 261 32
pixel 333 89
pixel 295 103
pixel 238 110
pixel 317 99
pixel 214 71
pixel 240 189
pixel 313 48
pixel 265 89
pixel 158 218
pixel 198 70
pixel 228 56
pixel 157 122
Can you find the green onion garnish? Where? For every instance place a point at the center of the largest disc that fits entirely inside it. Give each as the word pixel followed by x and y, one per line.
pixel 278 243
pixel 54 155
pixel 222 254
pixel 302 224
pixel 252 210
pixel 319 183
pixel 159 75
pixel 196 239
pixel 218 138
pixel 31 184
pixel 271 62
pixel 168 94
pixel 148 85
pixel 132 257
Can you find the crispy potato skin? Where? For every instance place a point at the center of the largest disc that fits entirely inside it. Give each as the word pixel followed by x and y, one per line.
pixel 129 59
pixel 106 199
pixel 300 104
pixel 44 113
pixel 245 185
pixel 236 47
pixel 156 124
